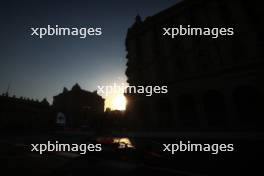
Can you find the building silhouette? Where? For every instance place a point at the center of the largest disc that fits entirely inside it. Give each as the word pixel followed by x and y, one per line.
pixel 23 114
pixel 213 84
pixel 78 107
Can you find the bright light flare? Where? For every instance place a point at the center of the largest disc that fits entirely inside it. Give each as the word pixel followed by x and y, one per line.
pixel 119 103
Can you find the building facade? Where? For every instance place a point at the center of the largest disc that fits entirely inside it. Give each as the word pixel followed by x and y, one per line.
pixel 213 84
pixel 78 107
pixel 21 114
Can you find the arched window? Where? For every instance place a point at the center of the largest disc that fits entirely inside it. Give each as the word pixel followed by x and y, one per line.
pixel 187 111
pixel 249 105
pixel 165 113
pixel 61 119
pixel 215 109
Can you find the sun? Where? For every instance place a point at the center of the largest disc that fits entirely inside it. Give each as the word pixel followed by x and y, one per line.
pixel 119 103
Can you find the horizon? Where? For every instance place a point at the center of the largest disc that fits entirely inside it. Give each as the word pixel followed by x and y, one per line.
pixel 40 68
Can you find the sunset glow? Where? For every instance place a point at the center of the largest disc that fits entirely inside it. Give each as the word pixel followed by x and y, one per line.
pixel 118 102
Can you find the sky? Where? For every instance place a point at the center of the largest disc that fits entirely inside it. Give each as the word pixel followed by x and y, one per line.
pixel 40 68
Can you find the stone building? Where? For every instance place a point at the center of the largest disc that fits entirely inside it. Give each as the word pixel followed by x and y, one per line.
pixel 213 84
pixel 23 114
pixel 78 107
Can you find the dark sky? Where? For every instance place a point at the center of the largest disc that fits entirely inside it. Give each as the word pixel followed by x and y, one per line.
pixel 38 68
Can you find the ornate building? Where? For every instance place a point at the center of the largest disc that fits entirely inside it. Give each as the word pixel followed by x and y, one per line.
pixel 78 107
pixel 213 84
